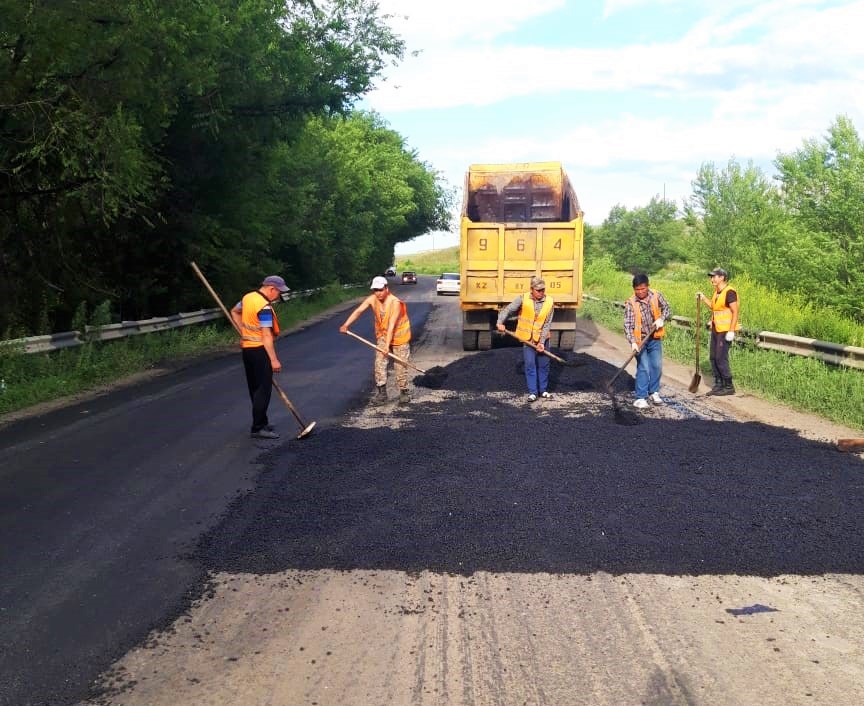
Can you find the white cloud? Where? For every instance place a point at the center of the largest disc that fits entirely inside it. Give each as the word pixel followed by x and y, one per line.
pixel 481 73
pixel 425 24
pixel 764 78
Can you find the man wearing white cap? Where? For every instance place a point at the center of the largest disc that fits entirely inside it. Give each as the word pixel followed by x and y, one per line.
pixel 259 328
pixel 392 333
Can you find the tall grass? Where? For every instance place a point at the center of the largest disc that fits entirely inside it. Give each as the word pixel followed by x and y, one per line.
pixel 833 392
pixel 34 378
pixel 762 309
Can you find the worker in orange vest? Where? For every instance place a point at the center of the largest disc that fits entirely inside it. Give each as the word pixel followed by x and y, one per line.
pixel 392 333
pixel 533 327
pixel 259 327
pixel 725 306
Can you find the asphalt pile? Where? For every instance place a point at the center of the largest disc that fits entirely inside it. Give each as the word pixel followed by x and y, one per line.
pixel 471 480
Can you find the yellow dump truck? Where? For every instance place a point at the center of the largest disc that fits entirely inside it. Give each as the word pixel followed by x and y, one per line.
pixel 519 220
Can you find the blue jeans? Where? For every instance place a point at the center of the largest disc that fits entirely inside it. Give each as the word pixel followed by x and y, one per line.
pixel 649 368
pixel 536 370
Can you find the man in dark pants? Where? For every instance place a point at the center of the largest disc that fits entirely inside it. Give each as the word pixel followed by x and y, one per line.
pixel 724 323
pixel 259 328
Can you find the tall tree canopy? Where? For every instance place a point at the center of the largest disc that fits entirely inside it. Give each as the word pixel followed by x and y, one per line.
pixel 823 189
pixel 137 135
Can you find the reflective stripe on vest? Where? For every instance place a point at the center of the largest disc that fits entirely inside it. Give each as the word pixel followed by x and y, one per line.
pixel 721 314
pixel 250 328
pixel 402 330
pixel 529 325
pixel 654 303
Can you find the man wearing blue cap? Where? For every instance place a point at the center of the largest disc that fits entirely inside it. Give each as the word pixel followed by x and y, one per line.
pixel 259 328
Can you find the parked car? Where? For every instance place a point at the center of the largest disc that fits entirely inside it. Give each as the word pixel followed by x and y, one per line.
pixel 409 277
pixel 448 283
pixel 390 272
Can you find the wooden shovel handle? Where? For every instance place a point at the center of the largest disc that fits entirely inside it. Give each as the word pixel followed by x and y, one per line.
pixel 698 328
pixel 534 346
pixel 399 360
pixel 279 390
pixel 632 355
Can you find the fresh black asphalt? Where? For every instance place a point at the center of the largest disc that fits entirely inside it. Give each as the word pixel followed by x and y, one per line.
pixel 102 502
pixel 114 519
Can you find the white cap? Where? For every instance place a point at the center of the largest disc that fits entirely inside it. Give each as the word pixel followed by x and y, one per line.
pixel 378 282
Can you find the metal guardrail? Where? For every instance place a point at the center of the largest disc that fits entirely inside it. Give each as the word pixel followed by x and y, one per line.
pixel 110 332
pixel 827 352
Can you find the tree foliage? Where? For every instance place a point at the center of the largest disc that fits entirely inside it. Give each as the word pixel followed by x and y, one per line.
pixel 823 190
pixel 643 239
pixel 804 234
pixel 135 136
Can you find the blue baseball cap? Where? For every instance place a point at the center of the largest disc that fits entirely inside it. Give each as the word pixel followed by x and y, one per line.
pixel 276 281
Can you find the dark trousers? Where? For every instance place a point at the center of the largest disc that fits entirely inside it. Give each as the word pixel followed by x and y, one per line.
pixel 259 378
pixel 720 356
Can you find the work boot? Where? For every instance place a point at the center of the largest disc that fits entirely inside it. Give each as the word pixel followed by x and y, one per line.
pixel 380 395
pixel 404 397
pixel 717 389
pixel 727 389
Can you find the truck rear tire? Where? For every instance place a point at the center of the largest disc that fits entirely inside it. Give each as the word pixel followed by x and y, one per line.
pixel 469 340
pixel 484 340
pixel 568 340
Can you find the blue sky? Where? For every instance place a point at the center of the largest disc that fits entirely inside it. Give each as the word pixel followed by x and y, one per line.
pixel 632 96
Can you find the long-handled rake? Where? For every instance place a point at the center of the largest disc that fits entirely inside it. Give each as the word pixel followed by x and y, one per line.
pixel 305 429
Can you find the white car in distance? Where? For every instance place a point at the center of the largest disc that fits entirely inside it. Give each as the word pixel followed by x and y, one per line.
pixel 448 283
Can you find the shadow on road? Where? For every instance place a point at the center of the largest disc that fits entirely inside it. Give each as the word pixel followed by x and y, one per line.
pixel 478 482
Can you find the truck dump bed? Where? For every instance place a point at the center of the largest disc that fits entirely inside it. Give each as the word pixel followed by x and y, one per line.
pixel 519 220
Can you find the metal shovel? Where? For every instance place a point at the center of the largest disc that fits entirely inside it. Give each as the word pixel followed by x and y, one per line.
pixel 395 357
pixel 433 378
pixel 630 357
pixel 697 376
pixel 305 427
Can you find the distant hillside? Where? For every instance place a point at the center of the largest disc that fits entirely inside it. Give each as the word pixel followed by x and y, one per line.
pixel 430 262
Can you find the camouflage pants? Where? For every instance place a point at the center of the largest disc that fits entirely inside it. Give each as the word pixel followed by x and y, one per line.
pixel 381 362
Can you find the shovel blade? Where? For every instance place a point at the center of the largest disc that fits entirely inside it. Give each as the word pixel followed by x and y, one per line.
pixel 694 383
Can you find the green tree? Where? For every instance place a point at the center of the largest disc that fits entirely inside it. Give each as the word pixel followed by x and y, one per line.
pixel 136 135
pixel 644 239
pixel 823 188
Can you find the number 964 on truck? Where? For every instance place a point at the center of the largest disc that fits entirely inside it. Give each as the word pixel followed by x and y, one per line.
pixel 518 221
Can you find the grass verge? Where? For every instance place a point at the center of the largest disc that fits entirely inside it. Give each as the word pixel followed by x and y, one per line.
pixel 833 392
pixel 430 262
pixel 42 377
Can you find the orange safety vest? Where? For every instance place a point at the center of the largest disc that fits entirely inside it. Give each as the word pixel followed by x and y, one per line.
pixel 250 329
pixel 654 302
pixel 402 331
pixel 721 314
pixel 529 325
